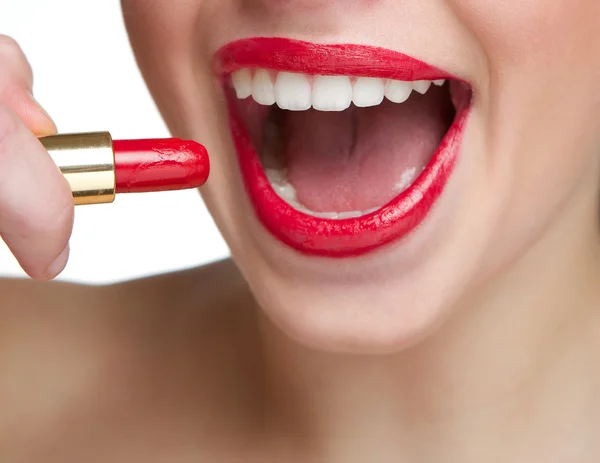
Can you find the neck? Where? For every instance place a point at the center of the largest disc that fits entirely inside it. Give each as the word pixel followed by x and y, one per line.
pixel 509 377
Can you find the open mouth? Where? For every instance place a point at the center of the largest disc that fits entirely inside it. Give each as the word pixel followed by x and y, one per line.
pixel 342 148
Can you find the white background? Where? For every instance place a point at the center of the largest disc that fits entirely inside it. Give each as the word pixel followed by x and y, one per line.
pixel 86 77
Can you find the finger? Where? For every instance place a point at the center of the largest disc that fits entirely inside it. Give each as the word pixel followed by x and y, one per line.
pixel 16 82
pixel 36 204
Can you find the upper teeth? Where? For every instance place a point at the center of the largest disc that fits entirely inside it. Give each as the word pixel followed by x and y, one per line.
pixel 299 92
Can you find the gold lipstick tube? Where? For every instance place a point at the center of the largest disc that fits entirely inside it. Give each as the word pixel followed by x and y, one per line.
pixel 87 161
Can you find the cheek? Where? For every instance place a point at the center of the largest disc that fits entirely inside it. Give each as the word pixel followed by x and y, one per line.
pixel 541 103
pixel 531 31
pixel 543 61
pixel 163 37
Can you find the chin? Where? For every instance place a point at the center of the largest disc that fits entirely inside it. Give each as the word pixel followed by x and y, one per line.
pixel 367 319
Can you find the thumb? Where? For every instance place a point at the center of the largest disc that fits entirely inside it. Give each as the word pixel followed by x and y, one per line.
pixel 27 108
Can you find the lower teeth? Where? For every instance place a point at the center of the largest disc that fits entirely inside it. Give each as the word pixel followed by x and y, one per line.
pixel 286 191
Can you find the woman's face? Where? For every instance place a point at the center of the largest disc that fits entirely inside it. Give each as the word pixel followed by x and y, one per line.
pixel 431 196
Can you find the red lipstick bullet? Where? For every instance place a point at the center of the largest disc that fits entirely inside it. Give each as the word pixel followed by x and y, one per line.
pixel 97 168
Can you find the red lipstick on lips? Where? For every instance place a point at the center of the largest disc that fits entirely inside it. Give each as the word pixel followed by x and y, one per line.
pixel 97 168
pixel 353 236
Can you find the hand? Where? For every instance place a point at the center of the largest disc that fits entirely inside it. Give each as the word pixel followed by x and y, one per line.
pixel 36 204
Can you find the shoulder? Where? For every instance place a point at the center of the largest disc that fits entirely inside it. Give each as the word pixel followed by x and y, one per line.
pixel 180 339
pixel 201 306
pixel 204 291
pixel 211 284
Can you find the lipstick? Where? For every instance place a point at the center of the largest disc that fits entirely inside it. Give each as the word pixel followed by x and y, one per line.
pixel 98 167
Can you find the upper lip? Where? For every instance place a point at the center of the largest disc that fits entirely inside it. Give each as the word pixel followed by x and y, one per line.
pixel 353 236
pixel 323 59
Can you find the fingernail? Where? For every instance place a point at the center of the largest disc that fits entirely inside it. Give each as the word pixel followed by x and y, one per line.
pixel 58 264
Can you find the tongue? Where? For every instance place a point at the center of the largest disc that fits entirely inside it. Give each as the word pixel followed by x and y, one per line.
pixel 361 158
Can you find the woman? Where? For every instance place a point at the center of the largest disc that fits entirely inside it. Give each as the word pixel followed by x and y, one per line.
pixel 418 280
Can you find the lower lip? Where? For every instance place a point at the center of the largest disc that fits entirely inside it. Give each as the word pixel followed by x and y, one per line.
pixel 349 237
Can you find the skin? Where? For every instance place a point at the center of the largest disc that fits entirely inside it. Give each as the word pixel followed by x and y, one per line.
pixel 482 329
